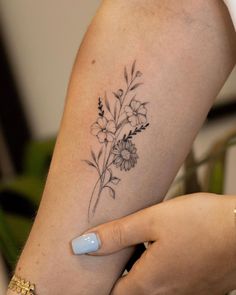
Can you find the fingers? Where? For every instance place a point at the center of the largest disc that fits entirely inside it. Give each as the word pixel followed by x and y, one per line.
pixel 123 286
pixel 128 284
pixel 118 234
pixel 142 277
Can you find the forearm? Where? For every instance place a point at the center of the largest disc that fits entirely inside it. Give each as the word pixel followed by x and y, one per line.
pixel 185 51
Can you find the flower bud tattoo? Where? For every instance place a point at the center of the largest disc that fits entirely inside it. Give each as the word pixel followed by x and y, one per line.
pixel 120 119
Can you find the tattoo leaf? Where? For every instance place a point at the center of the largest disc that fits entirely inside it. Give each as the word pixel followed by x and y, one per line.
pixel 135 86
pixel 126 75
pixel 133 68
pixel 100 107
pixel 112 192
pixel 116 95
pixel 107 104
pixel 119 125
pixel 119 95
pixel 138 74
pixel 89 163
pixel 135 132
pixel 115 180
pixel 100 153
pixel 115 111
pixel 93 156
pixel 110 172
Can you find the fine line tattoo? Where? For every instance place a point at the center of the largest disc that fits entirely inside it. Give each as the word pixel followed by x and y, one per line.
pixel 119 120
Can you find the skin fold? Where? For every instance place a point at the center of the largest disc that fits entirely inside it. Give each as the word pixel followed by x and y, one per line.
pixel 185 51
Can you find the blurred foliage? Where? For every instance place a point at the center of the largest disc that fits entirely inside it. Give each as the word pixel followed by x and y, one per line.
pixel 20 197
pixel 215 164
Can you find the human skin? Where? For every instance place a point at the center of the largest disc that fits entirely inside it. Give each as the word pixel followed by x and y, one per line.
pixel 185 50
pixel 193 249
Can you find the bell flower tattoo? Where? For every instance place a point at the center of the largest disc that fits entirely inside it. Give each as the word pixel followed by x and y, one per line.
pixel 117 149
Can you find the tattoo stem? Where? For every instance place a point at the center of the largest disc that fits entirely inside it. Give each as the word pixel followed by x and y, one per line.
pixel 124 97
pixel 103 168
pixel 97 200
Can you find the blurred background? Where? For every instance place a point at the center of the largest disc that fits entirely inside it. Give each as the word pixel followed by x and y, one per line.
pixel 38 44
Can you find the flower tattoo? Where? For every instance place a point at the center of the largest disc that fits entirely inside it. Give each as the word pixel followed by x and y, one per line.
pixel 119 120
pixel 136 113
pixel 125 154
pixel 104 130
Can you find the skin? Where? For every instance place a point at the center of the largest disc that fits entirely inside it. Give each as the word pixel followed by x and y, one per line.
pixel 193 249
pixel 185 50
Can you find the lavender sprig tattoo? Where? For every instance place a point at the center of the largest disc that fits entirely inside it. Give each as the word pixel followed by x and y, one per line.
pixel 117 149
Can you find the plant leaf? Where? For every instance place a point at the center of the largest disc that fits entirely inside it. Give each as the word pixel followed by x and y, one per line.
pixel 133 68
pixel 135 86
pixel 126 75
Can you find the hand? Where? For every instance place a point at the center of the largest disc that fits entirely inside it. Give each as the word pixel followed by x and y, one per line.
pixel 193 249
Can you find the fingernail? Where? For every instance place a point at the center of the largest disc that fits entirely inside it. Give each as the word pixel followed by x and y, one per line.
pixel 86 243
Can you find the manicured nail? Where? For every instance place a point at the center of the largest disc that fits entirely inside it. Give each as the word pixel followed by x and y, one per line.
pixel 86 243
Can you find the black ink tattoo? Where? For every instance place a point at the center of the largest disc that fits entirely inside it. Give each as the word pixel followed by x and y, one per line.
pixel 117 148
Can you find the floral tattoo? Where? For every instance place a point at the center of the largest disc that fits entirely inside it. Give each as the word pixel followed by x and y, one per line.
pixel 119 120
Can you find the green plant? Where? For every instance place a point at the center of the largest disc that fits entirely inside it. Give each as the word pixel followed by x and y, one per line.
pixel 20 197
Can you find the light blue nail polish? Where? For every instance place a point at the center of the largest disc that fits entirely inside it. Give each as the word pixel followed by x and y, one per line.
pixel 85 244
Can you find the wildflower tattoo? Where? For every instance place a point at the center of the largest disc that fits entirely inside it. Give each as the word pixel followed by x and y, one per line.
pixel 119 120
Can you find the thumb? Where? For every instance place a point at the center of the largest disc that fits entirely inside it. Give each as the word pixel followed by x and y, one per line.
pixel 127 284
pixel 121 287
pixel 118 234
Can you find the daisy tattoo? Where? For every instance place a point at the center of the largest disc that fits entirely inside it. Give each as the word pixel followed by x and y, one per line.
pixel 119 120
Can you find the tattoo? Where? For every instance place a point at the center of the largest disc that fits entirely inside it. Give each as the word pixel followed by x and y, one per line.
pixel 119 120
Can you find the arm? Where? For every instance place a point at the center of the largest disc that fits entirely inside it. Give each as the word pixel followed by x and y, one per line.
pixel 185 51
